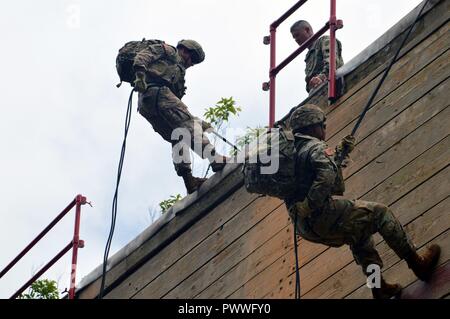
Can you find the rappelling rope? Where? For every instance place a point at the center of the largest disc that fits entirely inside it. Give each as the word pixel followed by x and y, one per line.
pixel 297 269
pixel 114 204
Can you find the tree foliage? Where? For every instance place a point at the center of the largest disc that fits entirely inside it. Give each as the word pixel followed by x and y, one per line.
pixel 167 203
pixel 221 112
pixel 42 289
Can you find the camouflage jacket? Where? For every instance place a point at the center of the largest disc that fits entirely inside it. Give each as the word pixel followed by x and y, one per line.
pixel 318 59
pixel 318 176
pixel 164 66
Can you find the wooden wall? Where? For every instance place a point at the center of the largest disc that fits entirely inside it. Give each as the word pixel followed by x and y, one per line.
pixel 244 247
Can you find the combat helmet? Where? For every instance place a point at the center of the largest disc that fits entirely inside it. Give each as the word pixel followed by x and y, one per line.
pixel 197 53
pixel 306 115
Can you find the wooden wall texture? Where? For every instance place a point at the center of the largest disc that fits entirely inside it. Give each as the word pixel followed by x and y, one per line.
pixel 243 248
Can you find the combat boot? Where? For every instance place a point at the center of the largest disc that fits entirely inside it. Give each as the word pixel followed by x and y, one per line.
pixel 386 291
pixel 423 265
pixel 192 183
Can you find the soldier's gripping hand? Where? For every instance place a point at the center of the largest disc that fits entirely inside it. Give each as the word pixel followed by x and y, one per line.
pixel 140 83
pixel 347 145
pixel 317 80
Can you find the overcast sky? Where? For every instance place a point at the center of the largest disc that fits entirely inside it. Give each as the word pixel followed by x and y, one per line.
pixel 62 116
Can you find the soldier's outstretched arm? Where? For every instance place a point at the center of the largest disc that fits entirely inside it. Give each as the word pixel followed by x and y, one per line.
pixel 325 176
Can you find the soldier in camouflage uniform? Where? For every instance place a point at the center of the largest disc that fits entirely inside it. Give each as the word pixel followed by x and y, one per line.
pixel 161 86
pixel 334 222
pixel 318 57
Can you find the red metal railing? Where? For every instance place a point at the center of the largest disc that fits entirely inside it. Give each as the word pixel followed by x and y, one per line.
pixel 333 24
pixel 74 245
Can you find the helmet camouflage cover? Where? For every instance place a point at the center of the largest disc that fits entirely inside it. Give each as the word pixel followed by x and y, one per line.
pixel 197 53
pixel 306 115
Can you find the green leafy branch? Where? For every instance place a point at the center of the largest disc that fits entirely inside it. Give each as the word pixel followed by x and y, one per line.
pixel 221 112
pixel 166 204
pixel 42 289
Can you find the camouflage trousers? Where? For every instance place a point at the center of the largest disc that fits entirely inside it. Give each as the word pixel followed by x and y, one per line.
pixel 166 112
pixel 353 223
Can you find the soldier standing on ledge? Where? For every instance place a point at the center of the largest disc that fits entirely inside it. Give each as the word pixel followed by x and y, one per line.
pixel 160 83
pixel 318 57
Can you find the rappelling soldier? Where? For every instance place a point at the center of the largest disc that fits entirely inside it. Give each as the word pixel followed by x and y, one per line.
pixel 320 218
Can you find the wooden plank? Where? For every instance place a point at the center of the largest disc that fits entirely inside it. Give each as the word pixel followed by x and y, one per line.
pixel 274 275
pixel 217 194
pixel 418 171
pixel 416 49
pixel 421 230
pixel 426 87
pixel 437 287
pixel 231 255
pixel 186 242
pixel 399 155
pixel 398 128
pixel 400 273
pixel 349 111
pixel 320 269
pixel 205 251
pixel 262 258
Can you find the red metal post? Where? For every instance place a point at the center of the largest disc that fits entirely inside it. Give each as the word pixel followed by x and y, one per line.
pixel 273 32
pixel 39 237
pixel 75 244
pixel 80 200
pixel 272 73
pixel 332 74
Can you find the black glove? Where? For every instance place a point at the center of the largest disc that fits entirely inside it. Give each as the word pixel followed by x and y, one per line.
pixel 347 144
